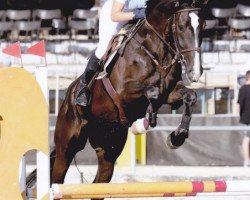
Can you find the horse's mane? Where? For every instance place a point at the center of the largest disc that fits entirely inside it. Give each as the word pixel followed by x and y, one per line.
pixel 168 5
pixel 150 4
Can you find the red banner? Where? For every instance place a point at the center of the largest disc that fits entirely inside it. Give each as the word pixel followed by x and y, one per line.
pixel 13 50
pixel 37 49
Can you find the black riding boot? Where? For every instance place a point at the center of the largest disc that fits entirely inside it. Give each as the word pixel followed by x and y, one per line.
pixel 83 93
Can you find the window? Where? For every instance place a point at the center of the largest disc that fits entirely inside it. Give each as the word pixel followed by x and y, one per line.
pixel 53 99
pixel 222 100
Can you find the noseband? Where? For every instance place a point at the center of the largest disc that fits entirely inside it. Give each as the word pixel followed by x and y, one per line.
pixel 177 51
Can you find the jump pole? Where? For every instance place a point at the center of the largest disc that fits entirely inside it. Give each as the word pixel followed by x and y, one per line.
pixel 148 189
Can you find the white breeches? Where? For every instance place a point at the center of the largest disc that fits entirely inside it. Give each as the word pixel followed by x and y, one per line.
pixel 107 29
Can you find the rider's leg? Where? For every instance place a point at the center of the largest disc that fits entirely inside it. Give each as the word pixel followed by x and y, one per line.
pixel 105 35
pixel 91 68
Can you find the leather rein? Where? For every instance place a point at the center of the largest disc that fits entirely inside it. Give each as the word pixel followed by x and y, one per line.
pixel 175 51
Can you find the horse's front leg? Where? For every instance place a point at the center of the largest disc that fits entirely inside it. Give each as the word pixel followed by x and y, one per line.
pixel 105 167
pixel 108 147
pixel 178 137
pixel 152 94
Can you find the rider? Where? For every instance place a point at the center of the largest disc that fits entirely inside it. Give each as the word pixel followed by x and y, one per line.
pixel 113 15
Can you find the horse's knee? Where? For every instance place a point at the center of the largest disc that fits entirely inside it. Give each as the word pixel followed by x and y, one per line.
pixel 102 157
pixel 100 153
pixel 105 167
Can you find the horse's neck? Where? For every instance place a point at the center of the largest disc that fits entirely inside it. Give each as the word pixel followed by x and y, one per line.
pixel 136 70
pixel 150 40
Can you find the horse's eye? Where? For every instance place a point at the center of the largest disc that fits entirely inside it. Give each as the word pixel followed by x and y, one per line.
pixel 181 28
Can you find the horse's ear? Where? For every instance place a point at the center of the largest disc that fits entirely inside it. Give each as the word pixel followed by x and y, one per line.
pixel 176 4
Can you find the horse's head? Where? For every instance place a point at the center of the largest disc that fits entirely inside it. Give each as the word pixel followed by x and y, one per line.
pixel 179 23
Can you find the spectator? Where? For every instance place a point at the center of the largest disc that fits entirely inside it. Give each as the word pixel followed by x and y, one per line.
pixel 244 103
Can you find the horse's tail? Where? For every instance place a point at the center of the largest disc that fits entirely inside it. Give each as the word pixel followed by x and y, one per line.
pixel 32 177
pixel 52 161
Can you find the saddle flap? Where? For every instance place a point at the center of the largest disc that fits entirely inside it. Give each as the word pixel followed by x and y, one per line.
pixel 117 42
pixel 114 47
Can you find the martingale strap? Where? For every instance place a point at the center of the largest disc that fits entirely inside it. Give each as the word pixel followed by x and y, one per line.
pixel 115 97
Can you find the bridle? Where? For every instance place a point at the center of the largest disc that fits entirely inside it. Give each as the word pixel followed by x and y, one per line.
pixel 176 50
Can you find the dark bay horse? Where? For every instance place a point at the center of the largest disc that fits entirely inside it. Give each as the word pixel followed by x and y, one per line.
pixel 158 60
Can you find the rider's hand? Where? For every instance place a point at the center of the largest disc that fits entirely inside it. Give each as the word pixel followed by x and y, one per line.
pixel 139 13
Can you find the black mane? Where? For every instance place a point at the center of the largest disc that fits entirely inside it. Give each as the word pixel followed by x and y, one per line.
pixel 150 4
pixel 167 7
pixel 171 5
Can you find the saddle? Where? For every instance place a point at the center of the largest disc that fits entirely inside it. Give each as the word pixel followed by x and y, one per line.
pixel 116 47
pixel 114 51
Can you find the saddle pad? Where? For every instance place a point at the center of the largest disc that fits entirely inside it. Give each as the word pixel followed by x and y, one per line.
pixel 111 56
pixel 119 38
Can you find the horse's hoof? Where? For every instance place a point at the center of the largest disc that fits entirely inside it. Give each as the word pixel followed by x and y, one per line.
pixel 170 144
pixel 175 141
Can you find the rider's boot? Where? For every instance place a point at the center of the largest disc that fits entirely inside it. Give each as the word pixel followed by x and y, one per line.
pixel 83 93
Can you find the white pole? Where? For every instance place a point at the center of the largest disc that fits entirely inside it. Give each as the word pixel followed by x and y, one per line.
pixel 133 152
pixel 42 174
pixel 57 95
pixel 22 175
pixel 235 106
pixel 42 79
pixel 42 159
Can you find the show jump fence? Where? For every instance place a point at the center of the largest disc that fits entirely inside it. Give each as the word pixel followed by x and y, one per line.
pixel 149 189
